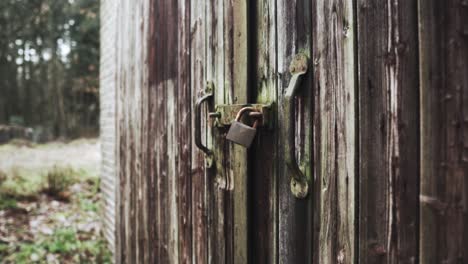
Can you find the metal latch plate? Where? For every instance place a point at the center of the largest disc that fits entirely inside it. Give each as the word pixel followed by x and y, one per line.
pixel 225 114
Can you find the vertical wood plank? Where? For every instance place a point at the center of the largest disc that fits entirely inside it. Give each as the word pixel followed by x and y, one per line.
pixel 132 72
pixel 294 30
pixel 143 202
pixel 263 243
pixel 443 49
pixel 154 121
pixel 388 121
pixel 200 182
pixel 184 129
pixel 227 50
pixel 335 90
pixel 217 180
pixel 153 197
pixel 238 65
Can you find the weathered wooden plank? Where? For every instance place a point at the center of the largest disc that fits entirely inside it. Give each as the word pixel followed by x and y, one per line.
pixel 200 181
pixel 131 73
pixel 388 121
pixel 238 67
pixel 158 97
pixel 294 31
pixel 143 241
pixel 335 88
pixel 215 45
pixel 263 243
pixel 184 129
pixel 227 57
pixel 154 160
pixel 443 50
pixel 153 121
pixel 172 45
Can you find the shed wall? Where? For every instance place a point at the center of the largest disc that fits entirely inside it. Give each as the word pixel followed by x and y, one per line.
pixel 108 131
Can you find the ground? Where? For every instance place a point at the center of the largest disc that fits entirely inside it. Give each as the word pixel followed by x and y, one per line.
pixel 49 203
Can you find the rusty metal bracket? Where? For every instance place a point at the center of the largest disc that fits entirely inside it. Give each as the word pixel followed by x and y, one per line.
pixel 299 182
pixel 225 114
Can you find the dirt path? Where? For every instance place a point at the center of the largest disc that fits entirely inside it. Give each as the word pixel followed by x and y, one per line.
pixel 79 154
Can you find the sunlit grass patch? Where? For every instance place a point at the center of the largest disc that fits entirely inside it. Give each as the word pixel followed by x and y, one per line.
pixel 21 184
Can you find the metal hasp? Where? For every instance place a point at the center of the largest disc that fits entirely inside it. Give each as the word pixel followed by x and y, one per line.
pixel 225 114
pixel 299 182
pixel 209 157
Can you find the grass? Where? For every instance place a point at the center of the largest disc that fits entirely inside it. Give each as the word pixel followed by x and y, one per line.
pixel 7 203
pixel 37 185
pixel 65 242
pixel 70 245
pixel 25 184
pixel 58 180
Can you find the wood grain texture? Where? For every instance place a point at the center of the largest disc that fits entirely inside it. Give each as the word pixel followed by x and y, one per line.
pixel 183 158
pixel 226 58
pixel 199 186
pixel 216 44
pixel 389 126
pixel 335 130
pixel 443 49
pixel 375 112
pixel 263 169
pixel 154 128
pixel 129 124
pixel 294 28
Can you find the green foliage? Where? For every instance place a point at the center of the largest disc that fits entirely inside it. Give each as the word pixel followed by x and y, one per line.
pixel 58 179
pixel 20 184
pixel 7 203
pixel 64 242
pixel 23 184
pixel 4 248
pixel 49 64
pixel 88 205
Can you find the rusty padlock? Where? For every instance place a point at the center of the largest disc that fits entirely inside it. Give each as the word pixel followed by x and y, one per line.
pixel 241 133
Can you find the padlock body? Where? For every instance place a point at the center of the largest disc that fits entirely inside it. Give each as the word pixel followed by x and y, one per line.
pixel 241 134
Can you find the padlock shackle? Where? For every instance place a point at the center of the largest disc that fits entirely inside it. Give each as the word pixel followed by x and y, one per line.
pixel 243 110
pixel 248 109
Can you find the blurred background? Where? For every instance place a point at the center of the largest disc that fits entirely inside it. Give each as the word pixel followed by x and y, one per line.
pixel 49 129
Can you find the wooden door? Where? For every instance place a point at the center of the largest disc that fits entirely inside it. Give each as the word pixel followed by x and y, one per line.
pixel 371 128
